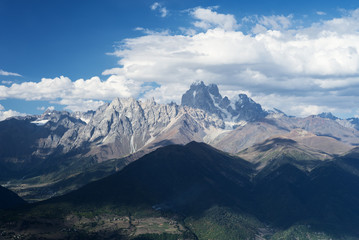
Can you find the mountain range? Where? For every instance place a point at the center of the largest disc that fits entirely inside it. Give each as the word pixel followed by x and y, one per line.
pixel 38 152
pixel 132 167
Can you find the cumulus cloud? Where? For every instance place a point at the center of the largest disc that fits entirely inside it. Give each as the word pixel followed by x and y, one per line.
pixel 300 70
pixel 75 95
pixel 5 73
pixel 348 24
pixel 80 104
pixel 9 113
pixel 207 18
pixel 162 10
pixel 316 64
pixel 306 110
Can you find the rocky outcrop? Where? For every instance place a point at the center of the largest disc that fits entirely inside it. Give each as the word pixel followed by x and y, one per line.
pixel 208 98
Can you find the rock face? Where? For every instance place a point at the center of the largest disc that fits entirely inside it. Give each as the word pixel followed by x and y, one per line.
pixel 204 97
pixel 327 115
pixel 115 130
pixel 126 126
pixel 208 98
pixel 348 123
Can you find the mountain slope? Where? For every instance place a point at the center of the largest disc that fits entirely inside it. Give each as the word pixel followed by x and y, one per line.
pixel 278 151
pixel 9 199
pixel 326 198
pixel 273 125
pixel 198 177
pixel 199 187
pixel 181 178
pixel 246 136
pixel 324 144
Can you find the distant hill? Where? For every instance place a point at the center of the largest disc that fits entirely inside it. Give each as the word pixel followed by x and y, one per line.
pixel 179 178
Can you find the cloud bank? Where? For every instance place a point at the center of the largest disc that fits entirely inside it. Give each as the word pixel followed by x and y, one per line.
pixel 300 70
pixel 79 95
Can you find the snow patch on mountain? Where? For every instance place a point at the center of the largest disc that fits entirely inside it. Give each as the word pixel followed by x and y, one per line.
pixel 40 122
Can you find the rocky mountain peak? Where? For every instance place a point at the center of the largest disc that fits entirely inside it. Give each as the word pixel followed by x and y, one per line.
pixel 203 97
pixel 115 102
pixel 246 109
pixel 244 99
pixel 118 103
pixel 209 99
pixel 348 123
pixel 327 115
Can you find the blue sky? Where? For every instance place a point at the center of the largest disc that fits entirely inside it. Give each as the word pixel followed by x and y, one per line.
pixel 298 56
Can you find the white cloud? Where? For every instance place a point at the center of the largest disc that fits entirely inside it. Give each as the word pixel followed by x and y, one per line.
pixel 6 82
pixel 80 104
pixel 75 95
pixel 64 88
pixel 207 19
pixel 301 106
pixel 274 22
pixel 167 93
pixel 42 108
pixel 318 64
pixel 348 24
pixel 4 73
pixel 162 10
pixel 307 110
pixel 9 113
pixel 300 70
pixel 150 32
pixel 320 13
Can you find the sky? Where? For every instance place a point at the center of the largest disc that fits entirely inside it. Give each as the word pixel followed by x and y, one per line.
pixel 301 57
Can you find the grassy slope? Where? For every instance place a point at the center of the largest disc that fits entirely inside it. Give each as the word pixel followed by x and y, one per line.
pixel 70 174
